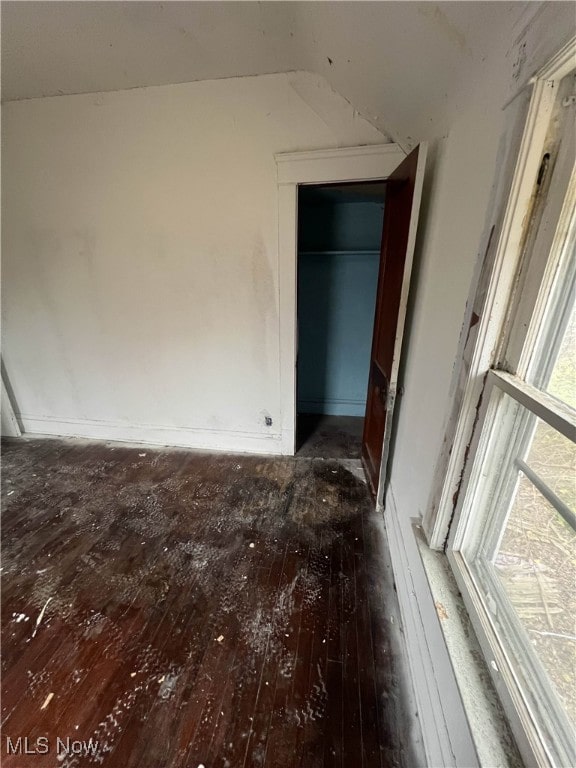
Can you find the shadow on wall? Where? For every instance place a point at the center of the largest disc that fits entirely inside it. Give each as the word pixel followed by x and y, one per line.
pixel 338 245
pixel 11 425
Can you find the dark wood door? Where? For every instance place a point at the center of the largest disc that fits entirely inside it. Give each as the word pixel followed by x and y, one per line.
pixel 398 235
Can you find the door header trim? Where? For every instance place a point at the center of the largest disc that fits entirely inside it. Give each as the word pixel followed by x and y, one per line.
pixel 343 164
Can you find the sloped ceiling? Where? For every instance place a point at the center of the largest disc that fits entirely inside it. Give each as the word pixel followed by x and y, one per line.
pixel 405 66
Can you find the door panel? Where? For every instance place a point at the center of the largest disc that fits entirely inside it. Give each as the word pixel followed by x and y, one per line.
pixel 398 237
pixel 372 441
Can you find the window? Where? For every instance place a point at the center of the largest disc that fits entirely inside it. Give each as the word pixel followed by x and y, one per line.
pixel 512 542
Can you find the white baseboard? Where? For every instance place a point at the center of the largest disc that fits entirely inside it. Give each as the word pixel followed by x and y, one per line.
pixel 153 434
pixel 445 730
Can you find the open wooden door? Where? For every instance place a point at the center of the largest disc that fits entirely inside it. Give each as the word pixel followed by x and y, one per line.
pixel 402 204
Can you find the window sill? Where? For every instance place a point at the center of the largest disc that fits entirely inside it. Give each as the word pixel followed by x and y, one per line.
pixel 489 728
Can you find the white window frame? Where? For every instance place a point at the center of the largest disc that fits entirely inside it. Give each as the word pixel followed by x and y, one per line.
pixel 507 256
pixel 502 336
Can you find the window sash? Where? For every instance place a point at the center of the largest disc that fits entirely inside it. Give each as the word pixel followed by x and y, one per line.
pixel 538 718
pixel 526 724
pixel 554 412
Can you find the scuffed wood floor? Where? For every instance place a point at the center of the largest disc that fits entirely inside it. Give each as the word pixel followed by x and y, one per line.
pixel 183 609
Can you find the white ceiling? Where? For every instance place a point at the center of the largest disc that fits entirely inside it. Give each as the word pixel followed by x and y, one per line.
pixel 406 66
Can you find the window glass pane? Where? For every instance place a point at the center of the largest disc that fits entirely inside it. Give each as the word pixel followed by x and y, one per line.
pixel 552 354
pixel 536 564
pixel 553 457
pixel 562 383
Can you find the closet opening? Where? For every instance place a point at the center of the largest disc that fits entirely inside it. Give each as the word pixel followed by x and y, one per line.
pixel 339 241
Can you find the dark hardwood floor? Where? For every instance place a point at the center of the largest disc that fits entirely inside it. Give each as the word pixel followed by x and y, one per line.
pixel 329 437
pixel 183 609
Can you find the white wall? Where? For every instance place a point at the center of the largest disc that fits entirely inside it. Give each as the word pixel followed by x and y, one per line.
pixel 469 185
pixel 448 244
pixel 140 273
pixel 140 251
pixel 406 66
pixel 467 171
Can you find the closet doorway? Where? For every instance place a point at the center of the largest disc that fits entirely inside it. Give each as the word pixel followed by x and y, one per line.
pixel 339 240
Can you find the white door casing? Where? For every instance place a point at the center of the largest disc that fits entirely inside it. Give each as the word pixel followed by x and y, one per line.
pixel 372 163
